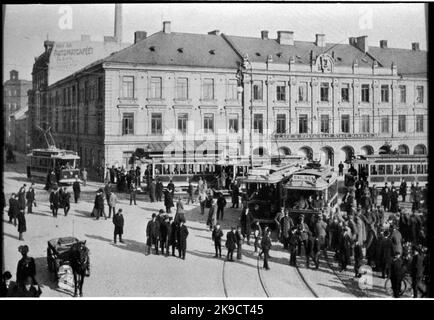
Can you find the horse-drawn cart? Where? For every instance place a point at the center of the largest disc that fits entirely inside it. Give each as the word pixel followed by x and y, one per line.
pixel 58 260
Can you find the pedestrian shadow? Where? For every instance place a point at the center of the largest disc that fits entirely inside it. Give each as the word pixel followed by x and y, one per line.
pixel 208 255
pixel 21 179
pixel 40 214
pixel 130 245
pixel 84 213
pixel 11 236
pixel 336 288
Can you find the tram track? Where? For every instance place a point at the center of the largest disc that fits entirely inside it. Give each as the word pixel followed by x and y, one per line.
pixel 307 285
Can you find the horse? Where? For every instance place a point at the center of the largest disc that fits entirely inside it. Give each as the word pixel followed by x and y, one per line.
pixel 79 260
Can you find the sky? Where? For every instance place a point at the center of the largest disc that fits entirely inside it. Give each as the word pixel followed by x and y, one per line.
pixel 27 26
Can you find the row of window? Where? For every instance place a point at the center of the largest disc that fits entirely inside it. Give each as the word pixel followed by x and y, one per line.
pixel 281 123
pixel 88 93
pixel 182 91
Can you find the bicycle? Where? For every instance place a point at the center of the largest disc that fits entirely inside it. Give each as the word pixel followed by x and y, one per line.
pixel 406 287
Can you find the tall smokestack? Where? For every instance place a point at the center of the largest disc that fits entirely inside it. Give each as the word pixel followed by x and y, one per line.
pixel 118 23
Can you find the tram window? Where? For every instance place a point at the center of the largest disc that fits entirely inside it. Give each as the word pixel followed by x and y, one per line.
pixel 397 169
pixel 373 169
pixel 404 169
pixel 389 169
pixel 381 169
pixel 419 168
pixel 425 168
pixel 412 169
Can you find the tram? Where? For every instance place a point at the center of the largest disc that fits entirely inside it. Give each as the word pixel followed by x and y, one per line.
pixel 379 169
pixel 40 162
pixel 264 189
pixel 311 190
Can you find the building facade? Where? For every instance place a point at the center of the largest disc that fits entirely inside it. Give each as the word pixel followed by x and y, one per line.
pixel 18 129
pixel 14 99
pixel 214 94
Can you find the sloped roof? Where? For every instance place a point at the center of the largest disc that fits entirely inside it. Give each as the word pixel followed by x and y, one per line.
pixel 409 62
pixel 199 50
pixel 258 49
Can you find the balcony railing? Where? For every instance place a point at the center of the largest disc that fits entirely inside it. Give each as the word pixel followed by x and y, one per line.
pixel 308 136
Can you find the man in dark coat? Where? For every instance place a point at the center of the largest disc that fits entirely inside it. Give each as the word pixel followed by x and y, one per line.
pixel 393 200
pixel 182 239
pixel 152 190
pixel 385 197
pixel 168 201
pixel 246 220
pixel 99 205
pixel 396 238
pixel 164 233
pixel 14 209
pixel 235 196
pixel 386 254
pixel 417 271
pixel 221 204
pixel 341 168
pixel 345 247
pixel 76 188
pixel 172 231
pixel 171 187
pixel 257 233
pixel 217 235
pixel 403 189
pixel 26 266
pixel 190 193
pixel 397 272
pixel 54 201
pixel 159 190
pixel 118 221
pixel 30 197
pixel 22 197
pixel 8 287
pixel 415 227
pixel 28 289
pixel 287 224
pixel 230 244
pixel 21 224
pixel 133 192
pixel 239 238
pixel 152 233
pixel 65 201
pixel 266 247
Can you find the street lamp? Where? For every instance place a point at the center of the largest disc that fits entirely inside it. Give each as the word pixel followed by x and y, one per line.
pixel 240 75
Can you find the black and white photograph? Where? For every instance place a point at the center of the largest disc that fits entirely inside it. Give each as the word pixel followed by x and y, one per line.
pixel 215 151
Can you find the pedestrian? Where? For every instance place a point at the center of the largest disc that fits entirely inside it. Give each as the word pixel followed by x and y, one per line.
pixel 417 271
pixel 77 190
pixel 416 198
pixel 182 239
pixel 113 200
pixel 21 224
pixel 396 238
pixel 159 190
pixel 246 220
pixel 266 247
pixel 190 192
pixel 341 168
pixel 239 238
pixel 221 204
pixel 171 187
pixel 385 200
pixel 230 244
pixel 152 190
pixel 65 200
pixel 54 201
pixel 84 176
pixel 8 287
pixel 30 197
pixel 26 266
pixel 118 221
pixel 168 201
pixel 393 200
pixel 396 274
pixel 386 253
pixel 164 234
pixel 286 225
pixel 152 234
pixel 257 233
pixel 415 229
pixel 99 205
pixel 202 200
pixel 22 197
pixel 172 236
pixel 303 236
pixel 217 235
pixel 235 195
pixel 14 209
pixel 133 192
pixel 212 215
pixel 28 289
pixel 403 189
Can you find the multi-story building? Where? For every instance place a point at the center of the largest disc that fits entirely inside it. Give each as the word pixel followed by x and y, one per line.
pixel 229 95
pixel 18 129
pixel 14 99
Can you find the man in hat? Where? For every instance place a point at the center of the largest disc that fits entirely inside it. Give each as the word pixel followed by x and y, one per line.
pixel 221 204
pixel 152 190
pixel 152 234
pixel 190 192
pixel 217 235
pixel 257 233
pixel 172 231
pixel 266 246
pixel 239 238
pixel 14 209
pixel 22 197
pixel 133 193
pixel 246 220
pixel 30 197
pixel 159 190
pixel 99 204
pixel 8 287
pixel 212 215
pixel 76 188
pixel 21 224
pixel 230 244
pixel 403 189
pixel 118 221
pixel 54 201
pixel 396 274
pixel 164 232
pixel 386 254
pixel 171 187
pixel 417 271
pixel 277 219
pixel 28 289
pixel 113 200
pixel 65 201
pixel 84 176
pixel 182 239
pixel 26 266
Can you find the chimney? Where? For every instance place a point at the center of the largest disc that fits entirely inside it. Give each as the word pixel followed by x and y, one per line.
pixel 285 37
pixel 85 37
pixel 415 46
pixel 166 26
pixel 264 34
pixel 139 35
pixel 361 43
pixel 214 32
pixel 320 40
pixel 383 44
pixel 48 45
pixel 118 22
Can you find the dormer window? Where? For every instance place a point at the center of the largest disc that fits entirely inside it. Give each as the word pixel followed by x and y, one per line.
pixel 152 48
pixel 212 51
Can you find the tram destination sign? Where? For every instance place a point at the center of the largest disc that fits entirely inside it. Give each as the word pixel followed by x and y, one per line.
pixel 304 178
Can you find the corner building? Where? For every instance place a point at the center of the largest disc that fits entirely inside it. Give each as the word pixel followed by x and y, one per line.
pixel 327 101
